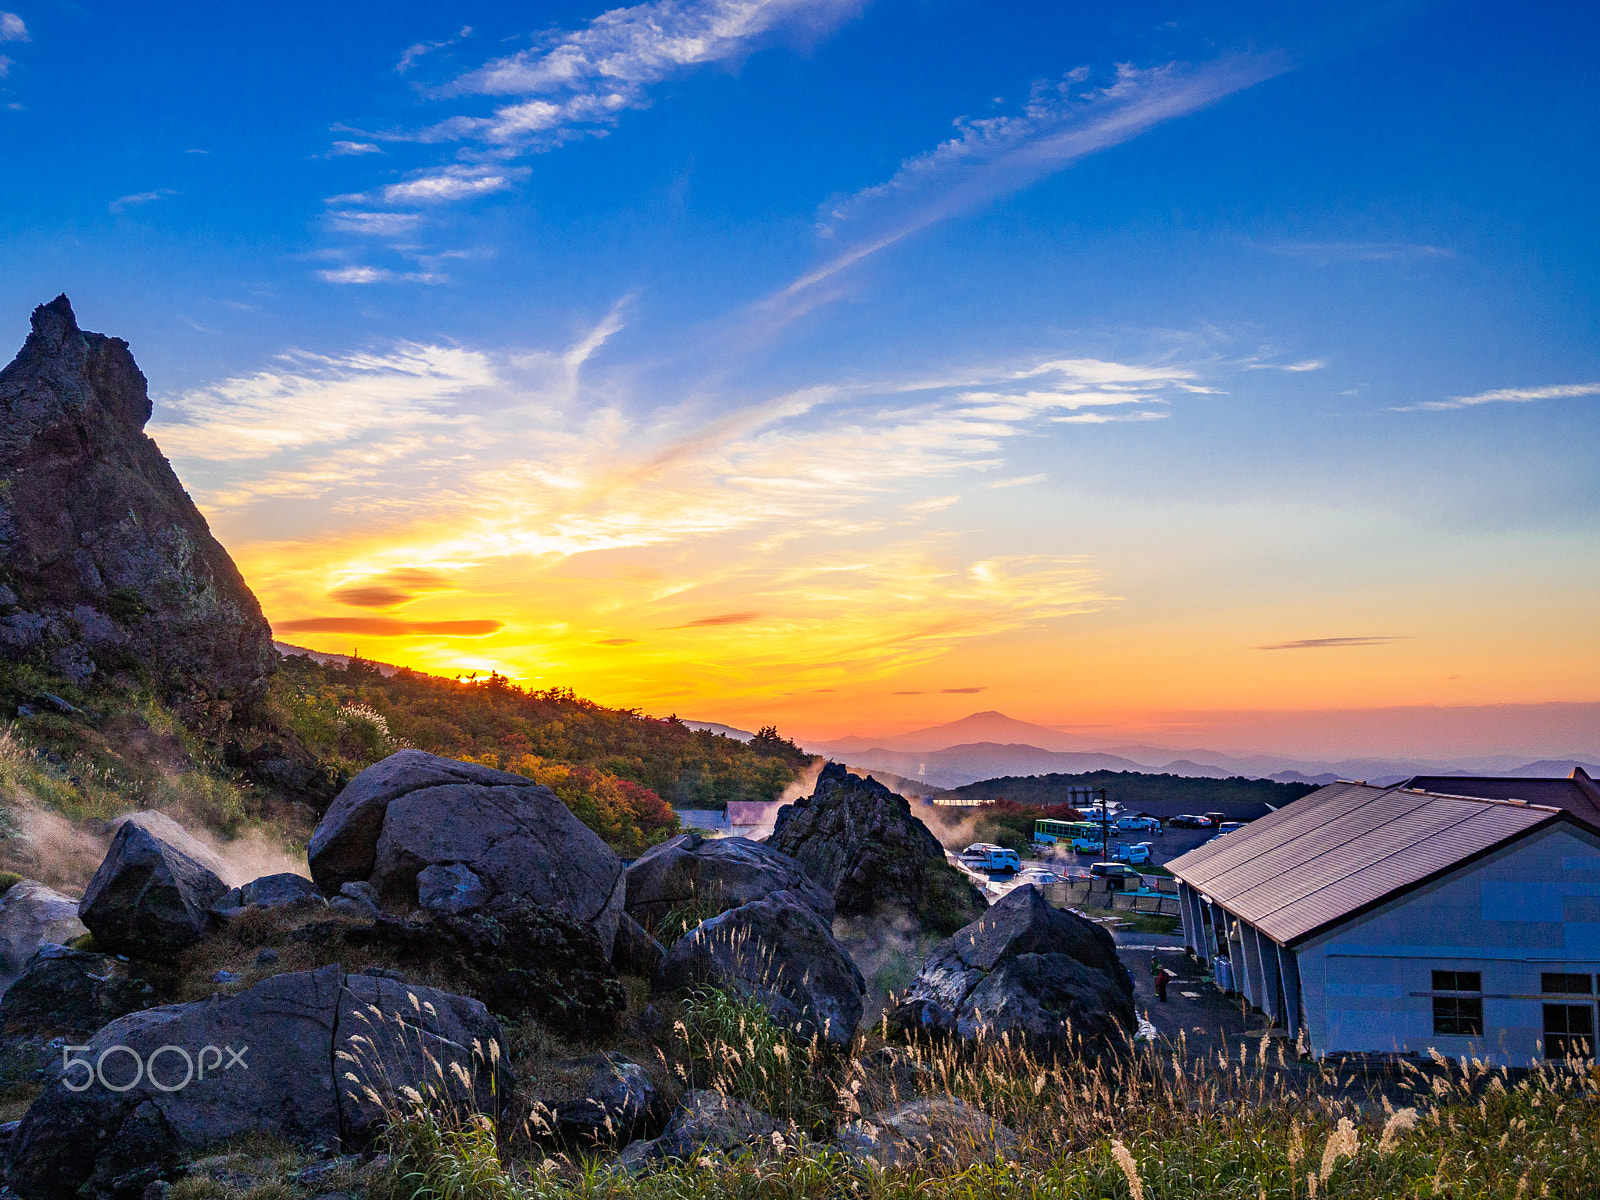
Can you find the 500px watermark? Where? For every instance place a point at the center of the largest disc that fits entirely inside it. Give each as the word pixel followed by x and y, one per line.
pixel 145 1068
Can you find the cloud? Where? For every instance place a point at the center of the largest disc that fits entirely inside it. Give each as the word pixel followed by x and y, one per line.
pixel 414 52
pixel 993 157
pixel 585 79
pixel 966 691
pixel 389 590
pixel 1019 481
pixel 379 224
pixel 312 400
pixel 733 618
pixel 1325 254
pixel 5 69
pixel 122 202
pixel 1504 396
pixel 1310 364
pixel 617 642
pixel 388 627
pixel 340 149
pixel 12 28
pixel 378 275
pixel 1333 643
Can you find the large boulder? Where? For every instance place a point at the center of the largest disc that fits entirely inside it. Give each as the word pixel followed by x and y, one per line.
pixel 709 1121
pixel 929 1128
pixel 33 915
pixel 74 992
pixel 711 875
pixel 151 895
pixel 108 565
pixel 391 1034
pixel 617 1101
pixel 518 957
pixel 778 953
pixel 414 810
pixel 157 1087
pixel 284 890
pixel 1040 974
pixel 861 842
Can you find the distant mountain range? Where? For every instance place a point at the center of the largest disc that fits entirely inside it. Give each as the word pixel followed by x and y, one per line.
pixel 987 745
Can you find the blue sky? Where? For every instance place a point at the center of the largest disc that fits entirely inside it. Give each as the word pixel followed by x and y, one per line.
pixel 826 361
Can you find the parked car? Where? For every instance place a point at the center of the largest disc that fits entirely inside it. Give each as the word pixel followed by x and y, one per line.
pixel 1190 821
pixel 1083 845
pixel 1040 875
pixel 1216 818
pixel 1138 825
pixel 1121 875
pixel 1229 826
pixel 1137 853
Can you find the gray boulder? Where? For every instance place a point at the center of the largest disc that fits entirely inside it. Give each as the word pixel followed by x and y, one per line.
pixel 709 1121
pixel 109 564
pixel 864 846
pixel 415 810
pixel 636 951
pixel 151 895
pixel 1040 974
pixel 271 891
pixel 778 953
pixel 930 1128
pixel 154 1088
pixel 450 888
pixel 713 875
pixel 271 1073
pixel 33 915
pixel 73 992
pixel 616 1103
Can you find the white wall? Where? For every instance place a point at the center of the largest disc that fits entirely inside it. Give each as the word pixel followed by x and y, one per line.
pixel 1531 908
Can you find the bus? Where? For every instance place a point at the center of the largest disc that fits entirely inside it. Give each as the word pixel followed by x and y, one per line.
pixel 1048 833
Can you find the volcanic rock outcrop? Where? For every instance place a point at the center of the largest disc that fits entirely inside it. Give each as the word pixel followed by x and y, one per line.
pixel 151 895
pixel 106 565
pixel 711 875
pixel 313 1058
pixel 32 915
pixel 1038 974
pixel 780 954
pixel 861 842
pixel 414 811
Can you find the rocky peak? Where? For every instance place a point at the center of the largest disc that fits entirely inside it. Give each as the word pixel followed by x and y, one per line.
pixel 106 566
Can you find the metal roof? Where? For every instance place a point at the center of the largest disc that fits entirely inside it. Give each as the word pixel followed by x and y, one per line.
pixel 1344 848
pixel 1576 793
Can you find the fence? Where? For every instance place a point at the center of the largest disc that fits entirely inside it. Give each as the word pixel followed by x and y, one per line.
pixel 1098 893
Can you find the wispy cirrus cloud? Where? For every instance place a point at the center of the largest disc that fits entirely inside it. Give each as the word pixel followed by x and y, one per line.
pixel 1503 396
pixel 580 81
pixel 1324 254
pixel 1332 643
pixel 361 275
pixel 993 157
pixel 122 203
pixel 346 149
pixel 13 28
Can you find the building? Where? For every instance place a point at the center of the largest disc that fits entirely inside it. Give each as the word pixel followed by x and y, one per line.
pixel 1404 919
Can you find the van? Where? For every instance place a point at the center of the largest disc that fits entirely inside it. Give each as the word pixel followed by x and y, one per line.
pixel 1121 876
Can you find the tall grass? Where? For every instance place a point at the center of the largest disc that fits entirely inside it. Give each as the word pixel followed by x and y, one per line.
pixel 1252 1123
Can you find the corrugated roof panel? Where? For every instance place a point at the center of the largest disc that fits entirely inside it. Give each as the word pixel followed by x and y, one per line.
pixel 1324 857
pixel 1214 858
pixel 1323 840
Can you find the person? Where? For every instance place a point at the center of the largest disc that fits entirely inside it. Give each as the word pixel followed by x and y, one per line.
pixel 1163 977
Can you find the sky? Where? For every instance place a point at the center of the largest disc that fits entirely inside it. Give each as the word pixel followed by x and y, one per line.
pixel 852 366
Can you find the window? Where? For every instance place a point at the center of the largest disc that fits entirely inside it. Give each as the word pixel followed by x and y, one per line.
pixel 1457 1016
pixel 1568 1030
pixel 1457 981
pixel 1556 983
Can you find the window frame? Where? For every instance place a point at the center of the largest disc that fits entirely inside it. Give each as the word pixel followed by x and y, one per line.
pixel 1558 978
pixel 1558 1044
